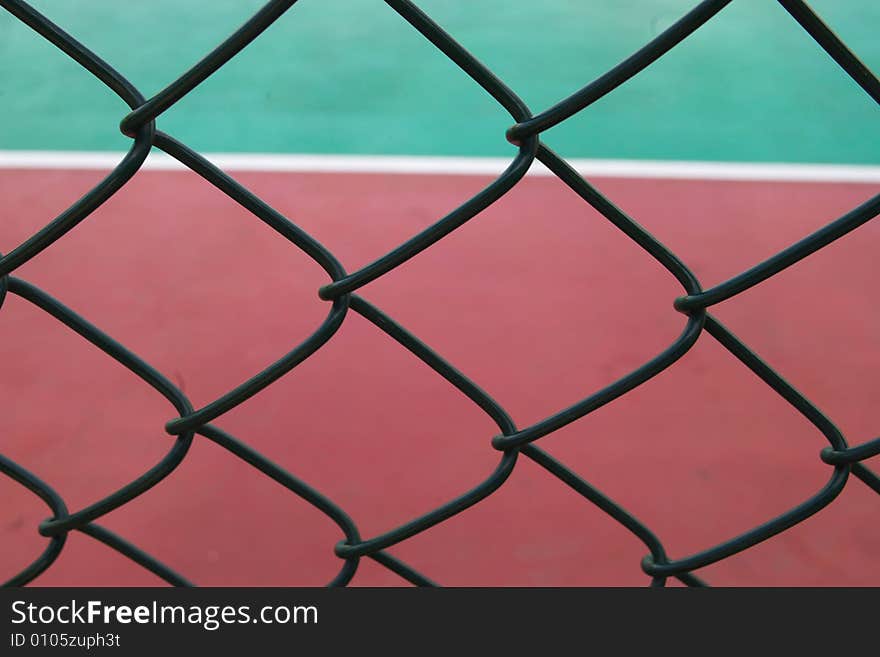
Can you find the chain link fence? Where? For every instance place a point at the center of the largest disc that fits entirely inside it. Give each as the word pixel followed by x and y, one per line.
pixel 511 442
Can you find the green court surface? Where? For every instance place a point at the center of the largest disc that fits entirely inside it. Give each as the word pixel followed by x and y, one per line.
pixel 350 76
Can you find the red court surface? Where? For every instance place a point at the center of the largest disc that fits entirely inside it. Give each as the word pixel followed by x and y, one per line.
pixel 538 299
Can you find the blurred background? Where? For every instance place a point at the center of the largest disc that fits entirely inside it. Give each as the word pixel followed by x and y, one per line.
pixel 538 299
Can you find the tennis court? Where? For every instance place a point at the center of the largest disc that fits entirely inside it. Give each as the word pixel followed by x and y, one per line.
pixel 742 140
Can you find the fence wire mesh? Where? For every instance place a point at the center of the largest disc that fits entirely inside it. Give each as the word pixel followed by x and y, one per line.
pixel 511 442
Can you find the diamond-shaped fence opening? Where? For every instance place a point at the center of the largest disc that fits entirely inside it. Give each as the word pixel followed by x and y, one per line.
pixel 342 292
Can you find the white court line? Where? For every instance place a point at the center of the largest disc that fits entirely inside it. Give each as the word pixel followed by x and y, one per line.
pixel 455 166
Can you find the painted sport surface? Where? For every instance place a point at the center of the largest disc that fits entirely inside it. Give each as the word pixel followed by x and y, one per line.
pixel 538 299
